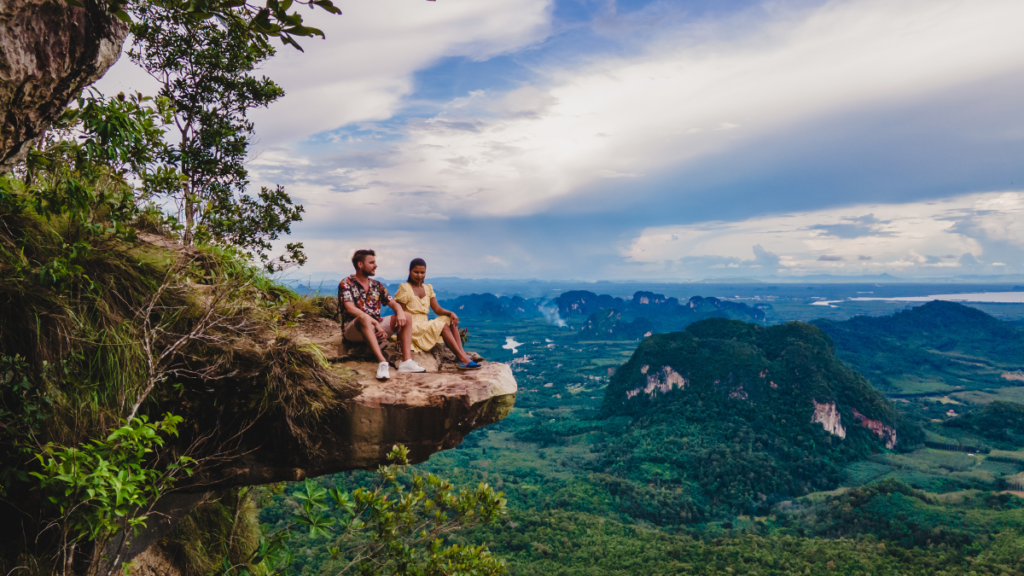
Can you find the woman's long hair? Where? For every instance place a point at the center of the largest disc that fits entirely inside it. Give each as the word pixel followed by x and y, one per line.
pixel 415 262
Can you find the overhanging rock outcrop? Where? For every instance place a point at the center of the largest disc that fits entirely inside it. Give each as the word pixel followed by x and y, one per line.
pixel 426 412
pixel 49 51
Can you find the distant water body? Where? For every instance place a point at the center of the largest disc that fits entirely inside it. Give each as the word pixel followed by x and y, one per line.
pixel 994 297
pixel 511 344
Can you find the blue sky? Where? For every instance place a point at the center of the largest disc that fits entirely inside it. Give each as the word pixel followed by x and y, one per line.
pixel 649 139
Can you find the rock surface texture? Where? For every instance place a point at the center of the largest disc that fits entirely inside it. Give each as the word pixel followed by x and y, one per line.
pixel 49 52
pixel 828 416
pixel 426 412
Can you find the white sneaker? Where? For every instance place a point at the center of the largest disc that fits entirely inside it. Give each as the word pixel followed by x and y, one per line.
pixel 410 365
pixel 382 371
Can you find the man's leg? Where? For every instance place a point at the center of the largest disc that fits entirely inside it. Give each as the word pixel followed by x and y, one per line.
pixel 369 329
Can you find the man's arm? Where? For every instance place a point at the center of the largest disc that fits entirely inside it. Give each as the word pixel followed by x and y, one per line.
pixel 354 310
pixel 399 317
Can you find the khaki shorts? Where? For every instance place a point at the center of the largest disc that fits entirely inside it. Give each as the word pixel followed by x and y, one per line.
pixel 353 331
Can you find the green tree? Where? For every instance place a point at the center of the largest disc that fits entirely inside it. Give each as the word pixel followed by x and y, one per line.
pixel 396 526
pixel 273 19
pixel 107 486
pixel 99 162
pixel 206 69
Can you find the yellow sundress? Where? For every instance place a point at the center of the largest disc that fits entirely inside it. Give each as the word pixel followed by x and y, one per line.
pixel 426 333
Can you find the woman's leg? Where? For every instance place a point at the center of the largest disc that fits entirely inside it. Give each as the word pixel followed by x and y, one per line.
pixel 454 344
pixel 454 328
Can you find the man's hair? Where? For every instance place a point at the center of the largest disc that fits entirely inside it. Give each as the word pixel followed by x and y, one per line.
pixel 360 256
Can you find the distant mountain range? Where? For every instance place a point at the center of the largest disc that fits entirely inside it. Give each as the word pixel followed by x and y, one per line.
pixel 327 282
pixel 646 313
pixel 494 306
pixel 609 317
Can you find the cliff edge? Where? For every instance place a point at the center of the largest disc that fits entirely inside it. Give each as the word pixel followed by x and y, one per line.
pixel 426 412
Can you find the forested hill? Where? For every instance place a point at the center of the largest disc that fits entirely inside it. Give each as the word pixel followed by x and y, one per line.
pixel 937 347
pixel 735 415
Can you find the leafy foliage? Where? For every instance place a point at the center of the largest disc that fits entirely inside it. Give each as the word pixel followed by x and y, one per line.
pixel 398 524
pixel 273 19
pixel 96 166
pixel 222 531
pixel 100 487
pixel 206 72
pixel 1002 422
pixel 97 327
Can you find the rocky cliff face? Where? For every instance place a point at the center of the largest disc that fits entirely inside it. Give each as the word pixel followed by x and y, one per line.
pixel 49 51
pixel 885 432
pixel 829 418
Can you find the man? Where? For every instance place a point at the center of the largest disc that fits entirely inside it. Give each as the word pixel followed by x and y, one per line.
pixel 361 297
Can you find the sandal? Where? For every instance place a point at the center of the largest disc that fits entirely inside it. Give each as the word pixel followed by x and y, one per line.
pixel 472 365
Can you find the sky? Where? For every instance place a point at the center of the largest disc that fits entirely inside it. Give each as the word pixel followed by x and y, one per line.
pixel 579 139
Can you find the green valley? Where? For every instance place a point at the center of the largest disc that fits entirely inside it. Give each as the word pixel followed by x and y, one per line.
pixel 705 451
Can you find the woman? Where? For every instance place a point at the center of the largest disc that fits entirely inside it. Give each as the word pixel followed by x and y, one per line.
pixel 418 298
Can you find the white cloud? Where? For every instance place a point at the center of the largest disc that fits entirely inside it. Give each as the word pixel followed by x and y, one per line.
pixel 917 238
pixel 693 93
pixel 365 66
pixel 495 260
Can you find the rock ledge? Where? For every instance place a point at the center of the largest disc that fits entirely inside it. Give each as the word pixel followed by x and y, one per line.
pixel 426 412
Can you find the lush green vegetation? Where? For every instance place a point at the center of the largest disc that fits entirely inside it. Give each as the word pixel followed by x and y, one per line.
pixel 893 511
pixel 939 347
pixel 205 69
pixel 399 522
pixel 1001 423
pixel 629 489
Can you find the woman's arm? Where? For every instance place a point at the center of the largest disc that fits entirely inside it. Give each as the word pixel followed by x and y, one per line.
pixel 437 307
pixel 442 312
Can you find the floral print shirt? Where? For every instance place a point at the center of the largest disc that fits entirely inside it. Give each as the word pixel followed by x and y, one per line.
pixel 368 301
